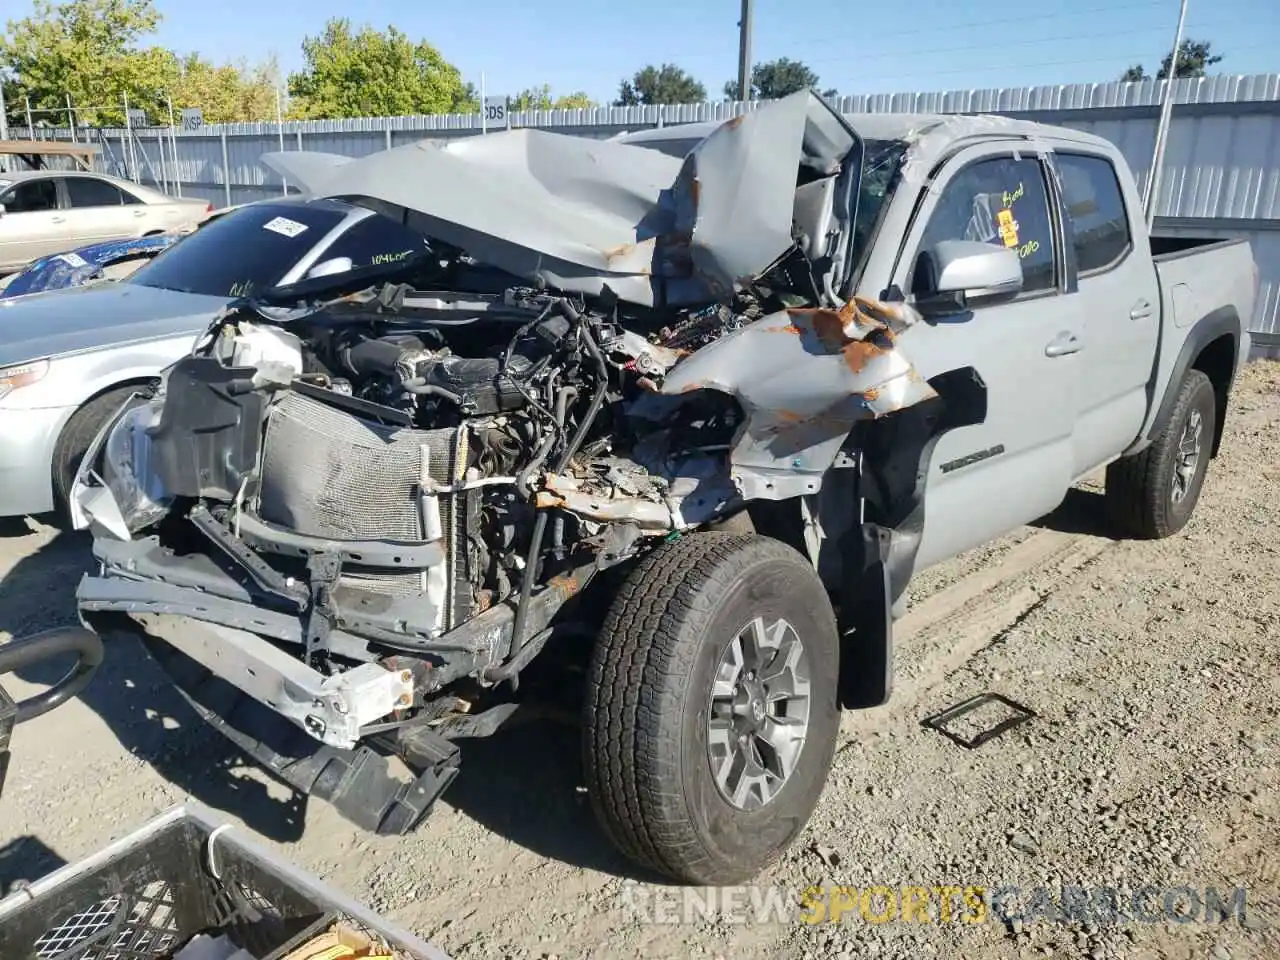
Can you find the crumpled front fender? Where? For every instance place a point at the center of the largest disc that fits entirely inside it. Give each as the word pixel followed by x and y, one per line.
pixel 804 377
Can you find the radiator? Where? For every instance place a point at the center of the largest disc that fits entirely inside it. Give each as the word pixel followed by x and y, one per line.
pixel 328 473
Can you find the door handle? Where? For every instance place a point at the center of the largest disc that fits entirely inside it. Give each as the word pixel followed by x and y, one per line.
pixel 139 213
pixel 59 220
pixel 1141 310
pixel 1063 344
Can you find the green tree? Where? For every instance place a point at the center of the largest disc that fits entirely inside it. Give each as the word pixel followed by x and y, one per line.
pixel 774 79
pixel 665 84
pixel 374 73
pixel 228 93
pixel 87 49
pixel 540 98
pixel 1194 56
pixel 91 50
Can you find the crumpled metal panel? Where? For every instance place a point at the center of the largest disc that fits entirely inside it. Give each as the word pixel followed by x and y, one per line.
pixel 76 267
pixel 752 157
pixel 804 377
pixel 583 214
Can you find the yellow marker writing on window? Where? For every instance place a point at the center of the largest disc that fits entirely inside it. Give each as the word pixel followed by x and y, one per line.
pixel 1008 228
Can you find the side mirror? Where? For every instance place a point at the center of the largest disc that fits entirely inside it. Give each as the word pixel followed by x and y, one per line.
pixel 3 209
pixel 952 272
pixel 327 268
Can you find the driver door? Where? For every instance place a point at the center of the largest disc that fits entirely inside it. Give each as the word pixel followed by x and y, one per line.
pixel 989 478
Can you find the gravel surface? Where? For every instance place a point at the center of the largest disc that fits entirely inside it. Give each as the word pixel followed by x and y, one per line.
pixel 1152 761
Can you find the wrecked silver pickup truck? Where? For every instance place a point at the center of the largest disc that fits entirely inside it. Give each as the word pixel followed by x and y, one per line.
pixel 694 405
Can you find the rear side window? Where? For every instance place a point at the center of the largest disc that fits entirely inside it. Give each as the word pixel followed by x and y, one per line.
pixel 31 197
pixel 1002 201
pixel 1095 209
pixel 87 192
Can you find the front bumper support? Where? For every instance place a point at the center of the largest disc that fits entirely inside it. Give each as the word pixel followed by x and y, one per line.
pixel 358 783
pixel 332 709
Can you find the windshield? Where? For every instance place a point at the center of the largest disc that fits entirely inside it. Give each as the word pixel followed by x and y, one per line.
pixel 241 252
pixel 880 166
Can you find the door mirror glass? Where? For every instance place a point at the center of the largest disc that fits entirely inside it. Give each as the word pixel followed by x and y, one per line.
pixel 953 272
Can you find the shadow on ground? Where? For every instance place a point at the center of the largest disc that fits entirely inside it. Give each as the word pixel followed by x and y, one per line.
pixel 133 697
pixel 26 859
pixel 1081 512
pixel 523 783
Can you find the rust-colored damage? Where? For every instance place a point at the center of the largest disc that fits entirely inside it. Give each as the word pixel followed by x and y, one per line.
pixel 566 584
pixel 625 251
pixel 877 320
pixel 733 123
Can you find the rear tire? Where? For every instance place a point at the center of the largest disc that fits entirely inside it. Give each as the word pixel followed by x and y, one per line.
pixel 674 708
pixel 74 441
pixel 1153 493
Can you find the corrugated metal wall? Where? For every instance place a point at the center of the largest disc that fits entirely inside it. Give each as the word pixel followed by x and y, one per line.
pixel 1221 175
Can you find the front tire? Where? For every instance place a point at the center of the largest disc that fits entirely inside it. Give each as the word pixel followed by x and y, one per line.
pixel 1153 494
pixel 711 710
pixel 74 441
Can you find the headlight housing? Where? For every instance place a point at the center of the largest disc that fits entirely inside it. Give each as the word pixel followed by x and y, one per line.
pixel 126 468
pixel 21 375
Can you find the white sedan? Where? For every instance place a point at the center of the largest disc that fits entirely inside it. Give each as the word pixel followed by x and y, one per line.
pixel 48 211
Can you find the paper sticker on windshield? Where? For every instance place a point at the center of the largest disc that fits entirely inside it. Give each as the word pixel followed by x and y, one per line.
pixel 74 259
pixel 284 226
pixel 1008 228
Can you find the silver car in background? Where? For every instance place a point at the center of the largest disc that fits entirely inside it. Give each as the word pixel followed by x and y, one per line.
pixel 48 211
pixel 69 359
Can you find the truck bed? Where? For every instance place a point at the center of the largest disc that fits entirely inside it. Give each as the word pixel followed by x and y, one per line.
pixel 1169 247
pixel 1201 277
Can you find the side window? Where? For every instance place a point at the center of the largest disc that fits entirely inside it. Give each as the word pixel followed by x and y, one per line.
pixel 1095 208
pixel 87 192
pixel 1001 201
pixel 33 197
pixel 376 240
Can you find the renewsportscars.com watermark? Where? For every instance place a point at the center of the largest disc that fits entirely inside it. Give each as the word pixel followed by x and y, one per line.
pixel 909 903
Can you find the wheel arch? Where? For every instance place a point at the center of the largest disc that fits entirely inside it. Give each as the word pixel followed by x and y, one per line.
pixel 101 391
pixel 1211 346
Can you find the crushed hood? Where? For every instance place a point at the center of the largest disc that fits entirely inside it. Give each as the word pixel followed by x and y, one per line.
pixel 584 214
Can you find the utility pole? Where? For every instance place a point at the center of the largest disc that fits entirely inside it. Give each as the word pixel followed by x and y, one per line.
pixel 1162 128
pixel 284 183
pixel 4 128
pixel 173 150
pixel 744 52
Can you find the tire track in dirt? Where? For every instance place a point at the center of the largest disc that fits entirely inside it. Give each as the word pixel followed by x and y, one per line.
pixel 939 634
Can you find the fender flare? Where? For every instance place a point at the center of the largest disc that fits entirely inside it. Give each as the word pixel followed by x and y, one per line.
pixel 1224 320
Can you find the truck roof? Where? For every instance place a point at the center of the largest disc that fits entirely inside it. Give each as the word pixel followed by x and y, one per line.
pixel 930 134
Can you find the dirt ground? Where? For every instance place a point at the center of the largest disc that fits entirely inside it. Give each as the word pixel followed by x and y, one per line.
pixel 1152 765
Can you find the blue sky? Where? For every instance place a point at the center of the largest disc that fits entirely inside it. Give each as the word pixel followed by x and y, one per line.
pixel 878 47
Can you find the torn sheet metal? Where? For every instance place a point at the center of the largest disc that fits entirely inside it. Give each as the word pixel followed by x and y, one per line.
pixel 804 377
pixel 656 497
pixel 583 214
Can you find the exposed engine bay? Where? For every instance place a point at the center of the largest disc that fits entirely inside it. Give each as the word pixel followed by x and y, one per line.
pixel 369 510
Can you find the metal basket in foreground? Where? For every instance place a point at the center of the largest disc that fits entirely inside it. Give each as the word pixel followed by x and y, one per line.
pixel 145 896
